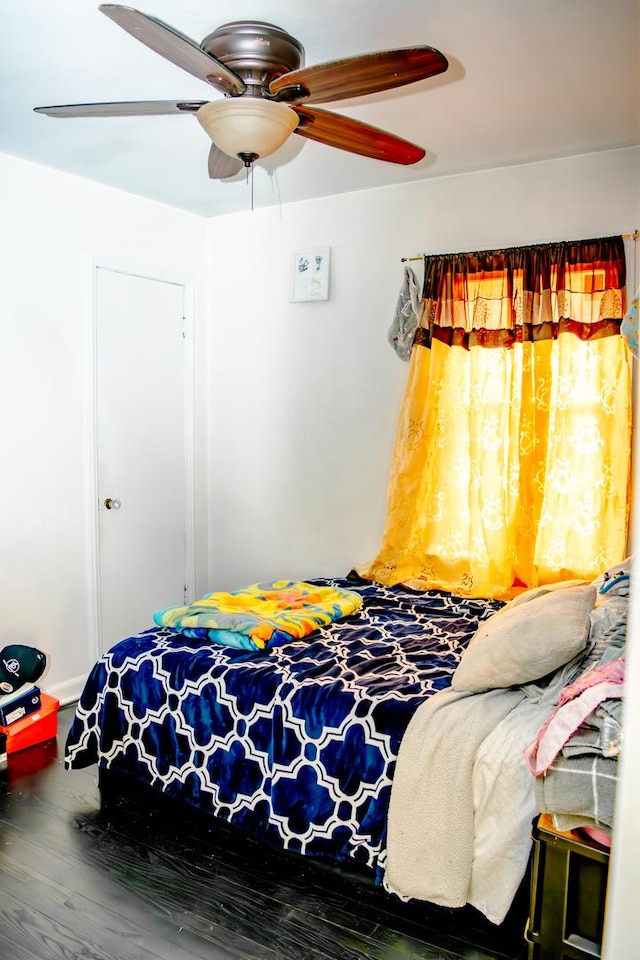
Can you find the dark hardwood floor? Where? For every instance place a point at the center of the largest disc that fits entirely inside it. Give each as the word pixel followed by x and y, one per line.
pixel 126 881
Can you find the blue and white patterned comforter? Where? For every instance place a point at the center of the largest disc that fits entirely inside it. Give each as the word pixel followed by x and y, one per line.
pixel 296 744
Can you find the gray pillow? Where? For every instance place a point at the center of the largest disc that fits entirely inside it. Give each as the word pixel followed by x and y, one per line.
pixel 527 640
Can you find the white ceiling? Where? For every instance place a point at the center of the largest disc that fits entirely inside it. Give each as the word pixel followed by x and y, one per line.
pixel 528 80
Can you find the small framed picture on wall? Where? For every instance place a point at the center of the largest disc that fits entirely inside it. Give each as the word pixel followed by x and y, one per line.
pixel 310 274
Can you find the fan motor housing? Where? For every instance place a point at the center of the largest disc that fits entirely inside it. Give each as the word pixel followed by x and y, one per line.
pixel 257 51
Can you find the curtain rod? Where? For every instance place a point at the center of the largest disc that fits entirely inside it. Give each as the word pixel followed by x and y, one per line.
pixel 421 256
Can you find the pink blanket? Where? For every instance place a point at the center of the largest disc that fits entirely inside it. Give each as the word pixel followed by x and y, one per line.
pixel 575 703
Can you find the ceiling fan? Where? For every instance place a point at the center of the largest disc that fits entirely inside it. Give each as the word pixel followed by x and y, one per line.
pixel 267 90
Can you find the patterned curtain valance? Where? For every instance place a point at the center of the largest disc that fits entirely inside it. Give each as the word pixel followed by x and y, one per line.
pixel 496 298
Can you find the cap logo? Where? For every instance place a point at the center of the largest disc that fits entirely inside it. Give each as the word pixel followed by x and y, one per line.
pixel 12 665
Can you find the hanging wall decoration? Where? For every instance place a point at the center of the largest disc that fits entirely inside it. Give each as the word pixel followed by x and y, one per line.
pixel 310 274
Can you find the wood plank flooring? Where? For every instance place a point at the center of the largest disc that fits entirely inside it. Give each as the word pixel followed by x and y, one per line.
pixel 81 880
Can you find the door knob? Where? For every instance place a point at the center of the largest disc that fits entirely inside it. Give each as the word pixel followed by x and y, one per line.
pixel 112 504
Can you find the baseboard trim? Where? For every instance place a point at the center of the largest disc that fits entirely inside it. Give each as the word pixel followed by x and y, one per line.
pixel 68 691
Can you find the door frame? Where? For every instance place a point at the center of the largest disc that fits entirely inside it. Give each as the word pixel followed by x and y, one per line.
pixel 147 272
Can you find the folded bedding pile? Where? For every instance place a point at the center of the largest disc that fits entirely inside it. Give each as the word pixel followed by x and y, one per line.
pixel 463 787
pixel 574 756
pixel 261 615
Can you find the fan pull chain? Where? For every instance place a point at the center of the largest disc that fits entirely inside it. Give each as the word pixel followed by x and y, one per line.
pixel 249 159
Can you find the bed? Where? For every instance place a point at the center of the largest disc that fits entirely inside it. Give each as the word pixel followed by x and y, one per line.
pixel 370 741
pixel 295 744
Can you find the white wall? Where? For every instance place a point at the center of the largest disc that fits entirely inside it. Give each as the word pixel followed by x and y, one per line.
pixel 302 399
pixel 304 396
pixel 621 941
pixel 51 227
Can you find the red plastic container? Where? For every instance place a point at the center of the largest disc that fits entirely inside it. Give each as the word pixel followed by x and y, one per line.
pixel 34 728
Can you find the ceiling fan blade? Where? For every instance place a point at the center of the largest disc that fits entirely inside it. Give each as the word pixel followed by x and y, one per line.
pixel 357 76
pixel 132 108
pixel 355 136
pixel 221 165
pixel 176 47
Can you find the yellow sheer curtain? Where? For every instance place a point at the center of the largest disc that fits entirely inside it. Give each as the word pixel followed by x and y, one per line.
pixel 511 467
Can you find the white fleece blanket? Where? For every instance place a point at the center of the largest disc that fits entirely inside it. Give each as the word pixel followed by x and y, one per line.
pixel 462 799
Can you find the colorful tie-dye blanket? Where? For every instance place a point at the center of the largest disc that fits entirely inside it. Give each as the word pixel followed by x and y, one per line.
pixel 261 615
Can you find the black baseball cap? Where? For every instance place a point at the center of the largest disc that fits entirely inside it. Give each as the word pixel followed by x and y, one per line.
pixel 19 665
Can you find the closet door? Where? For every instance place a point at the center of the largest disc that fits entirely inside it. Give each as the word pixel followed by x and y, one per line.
pixel 140 429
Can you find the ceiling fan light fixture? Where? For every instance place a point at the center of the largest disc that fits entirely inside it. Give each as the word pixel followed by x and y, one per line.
pixel 242 126
pixel 268 92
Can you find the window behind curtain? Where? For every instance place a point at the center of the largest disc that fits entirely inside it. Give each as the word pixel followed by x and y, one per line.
pixel 511 464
